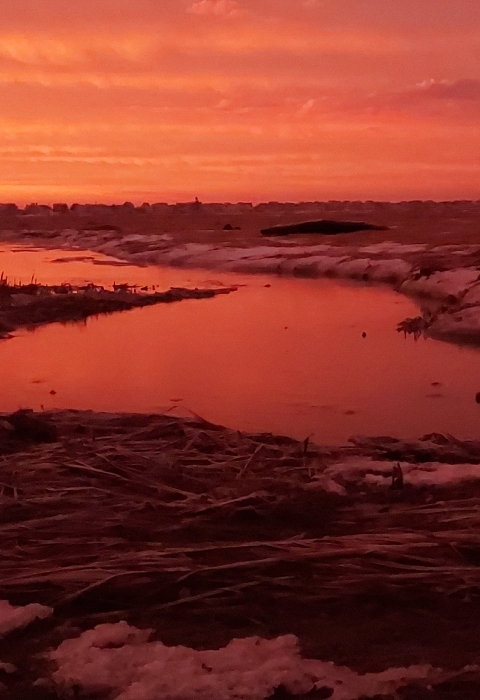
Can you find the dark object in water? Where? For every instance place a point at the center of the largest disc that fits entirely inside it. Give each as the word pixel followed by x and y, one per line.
pixel 323 226
pixel 364 335
pixel 477 397
pixel 30 428
pixel 229 227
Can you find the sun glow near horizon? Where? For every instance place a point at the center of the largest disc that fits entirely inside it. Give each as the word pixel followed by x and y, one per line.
pixel 240 100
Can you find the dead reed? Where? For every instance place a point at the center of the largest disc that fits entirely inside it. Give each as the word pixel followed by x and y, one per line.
pixel 132 511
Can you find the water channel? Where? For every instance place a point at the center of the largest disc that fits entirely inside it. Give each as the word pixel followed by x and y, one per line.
pixel 281 354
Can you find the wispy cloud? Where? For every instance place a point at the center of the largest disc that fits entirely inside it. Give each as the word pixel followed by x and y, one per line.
pixel 448 100
pixel 217 8
pixel 467 89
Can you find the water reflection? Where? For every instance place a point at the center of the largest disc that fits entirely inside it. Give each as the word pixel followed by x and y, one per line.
pixel 289 358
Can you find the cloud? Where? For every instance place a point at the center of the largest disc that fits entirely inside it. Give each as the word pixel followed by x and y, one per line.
pixel 454 100
pixel 467 89
pixel 306 108
pixel 219 8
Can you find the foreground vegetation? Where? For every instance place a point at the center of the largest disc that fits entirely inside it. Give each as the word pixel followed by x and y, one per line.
pixel 206 534
pixel 32 305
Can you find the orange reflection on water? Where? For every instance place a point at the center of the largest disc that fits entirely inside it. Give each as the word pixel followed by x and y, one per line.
pixel 22 264
pixel 288 359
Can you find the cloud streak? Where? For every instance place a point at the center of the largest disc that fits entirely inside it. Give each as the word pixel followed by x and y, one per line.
pixel 216 8
pixel 467 89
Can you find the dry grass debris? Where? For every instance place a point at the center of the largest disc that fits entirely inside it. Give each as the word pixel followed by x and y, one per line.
pixel 157 511
pixel 206 533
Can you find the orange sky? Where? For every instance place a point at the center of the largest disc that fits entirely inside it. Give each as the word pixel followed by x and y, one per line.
pixel 152 100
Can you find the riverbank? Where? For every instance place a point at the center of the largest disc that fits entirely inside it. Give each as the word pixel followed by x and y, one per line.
pixel 33 305
pixel 430 251
pixel 206 534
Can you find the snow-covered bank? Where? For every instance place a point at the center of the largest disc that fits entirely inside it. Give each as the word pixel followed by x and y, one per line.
pixel 119 660
pixel 447 274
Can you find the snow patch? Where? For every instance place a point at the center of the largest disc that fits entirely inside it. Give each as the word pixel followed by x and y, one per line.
pixel 354 268
pixel 440 285
pixel 252 266
pixel 119 660
pixel 393 248
pixel 472 296
pixel 394 270
pixel 379 472
pixel 433 474
pixel 13 618
pixel 462 324
pixel 7 668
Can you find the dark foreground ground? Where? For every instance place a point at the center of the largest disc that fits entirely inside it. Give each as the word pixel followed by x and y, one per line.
pixel 206 534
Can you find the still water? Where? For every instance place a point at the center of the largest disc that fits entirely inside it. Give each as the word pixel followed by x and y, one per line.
pixel 288 358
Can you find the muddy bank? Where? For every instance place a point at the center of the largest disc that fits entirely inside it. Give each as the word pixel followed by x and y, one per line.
pixel 32 305
pixel 205 534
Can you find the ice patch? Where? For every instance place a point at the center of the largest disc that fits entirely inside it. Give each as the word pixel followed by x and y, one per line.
pixel 12 618
pixel 118 659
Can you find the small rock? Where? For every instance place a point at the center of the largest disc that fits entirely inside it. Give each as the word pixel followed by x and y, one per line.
pixel 52 392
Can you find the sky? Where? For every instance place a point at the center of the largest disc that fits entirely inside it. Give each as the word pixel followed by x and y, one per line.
pixel 239 100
